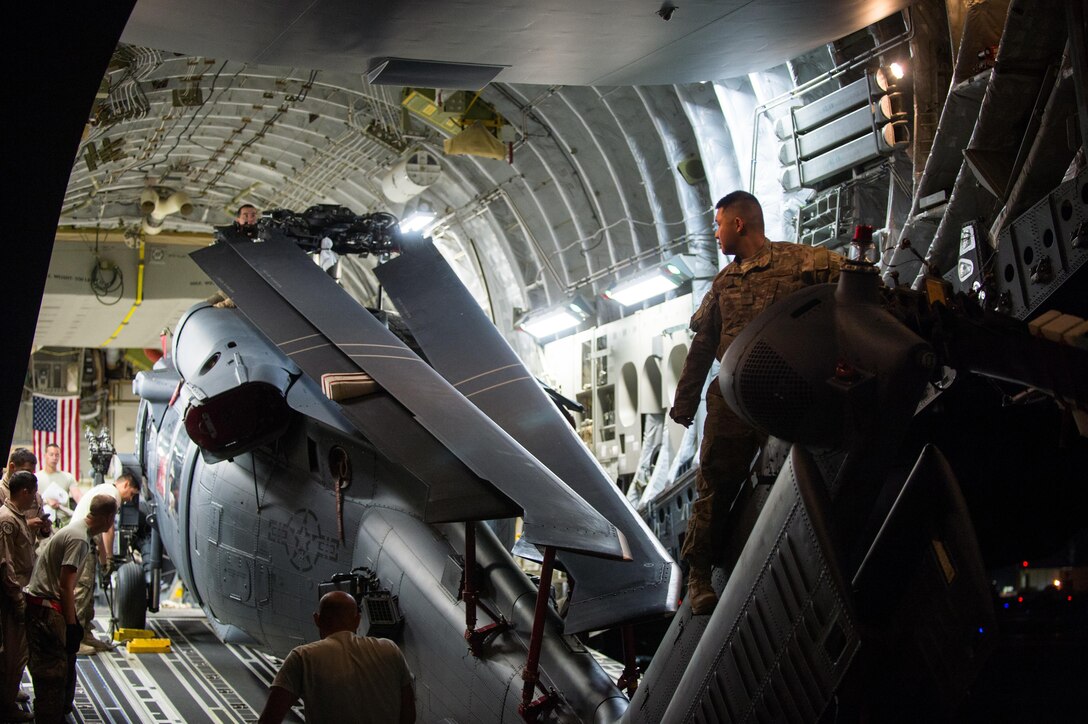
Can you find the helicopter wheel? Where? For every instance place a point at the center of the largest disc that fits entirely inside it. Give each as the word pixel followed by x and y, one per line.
pixel 131 596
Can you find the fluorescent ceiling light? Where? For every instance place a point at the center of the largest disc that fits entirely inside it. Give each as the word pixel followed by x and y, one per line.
pixel 551 321
pixel 417 221
pixel 648 285
pixel 641 290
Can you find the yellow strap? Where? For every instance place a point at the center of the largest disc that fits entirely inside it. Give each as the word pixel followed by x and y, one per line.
pixel 136 303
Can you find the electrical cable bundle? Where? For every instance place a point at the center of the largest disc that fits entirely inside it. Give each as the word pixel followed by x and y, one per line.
pixel 107 282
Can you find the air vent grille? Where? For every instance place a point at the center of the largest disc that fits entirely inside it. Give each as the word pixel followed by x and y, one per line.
pixel 769 386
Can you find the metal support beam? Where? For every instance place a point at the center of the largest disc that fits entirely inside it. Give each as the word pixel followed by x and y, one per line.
pixel 628 680
pixel 529 708
pixel 476 637
pixel 468 585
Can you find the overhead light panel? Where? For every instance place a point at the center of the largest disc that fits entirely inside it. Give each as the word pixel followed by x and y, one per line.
pixel 552 320
pixel 416 221
pixel 650 283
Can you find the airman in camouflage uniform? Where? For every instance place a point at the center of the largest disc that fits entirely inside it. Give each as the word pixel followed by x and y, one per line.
pixel 52 629
pixel 23 460
pixel 761 273
pixel 16 563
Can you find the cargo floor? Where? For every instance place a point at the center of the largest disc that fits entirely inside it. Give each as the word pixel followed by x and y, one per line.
pixel 200 681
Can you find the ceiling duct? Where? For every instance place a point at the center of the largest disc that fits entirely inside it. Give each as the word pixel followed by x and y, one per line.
pixel 156 207
pixel 410 176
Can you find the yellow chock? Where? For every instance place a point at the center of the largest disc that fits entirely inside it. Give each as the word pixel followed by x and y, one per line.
pixel 127 634
pixel 149 646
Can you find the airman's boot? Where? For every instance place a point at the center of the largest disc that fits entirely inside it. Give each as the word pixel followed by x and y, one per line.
pixel 701 591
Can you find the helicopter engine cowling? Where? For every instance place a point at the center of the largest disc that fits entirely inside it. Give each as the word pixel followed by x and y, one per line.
pixel 235 386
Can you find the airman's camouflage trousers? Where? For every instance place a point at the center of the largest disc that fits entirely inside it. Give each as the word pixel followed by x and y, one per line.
pixel 53 670
pixel 13 657
pixel 725 459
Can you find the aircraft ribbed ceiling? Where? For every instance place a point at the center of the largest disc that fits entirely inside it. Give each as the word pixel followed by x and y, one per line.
pixel 593 192
pixel 593 187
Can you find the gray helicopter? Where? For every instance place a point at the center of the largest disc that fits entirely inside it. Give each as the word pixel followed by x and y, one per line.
pixel 294 441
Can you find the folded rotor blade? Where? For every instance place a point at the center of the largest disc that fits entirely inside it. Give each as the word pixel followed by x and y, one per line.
pixel 554 514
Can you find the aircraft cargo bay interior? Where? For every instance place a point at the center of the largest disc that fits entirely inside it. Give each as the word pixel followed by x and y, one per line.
pixel 448 361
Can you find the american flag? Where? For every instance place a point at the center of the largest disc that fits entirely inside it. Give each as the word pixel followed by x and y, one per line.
pixel 56 420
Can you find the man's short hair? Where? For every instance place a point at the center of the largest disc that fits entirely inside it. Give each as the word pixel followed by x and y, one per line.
pixel 739 197
pixel 52 444
pixel 103 505
pixel 23 458
pixel 244 207
pixel 21 481
pixel 745 206
pixel 132 480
